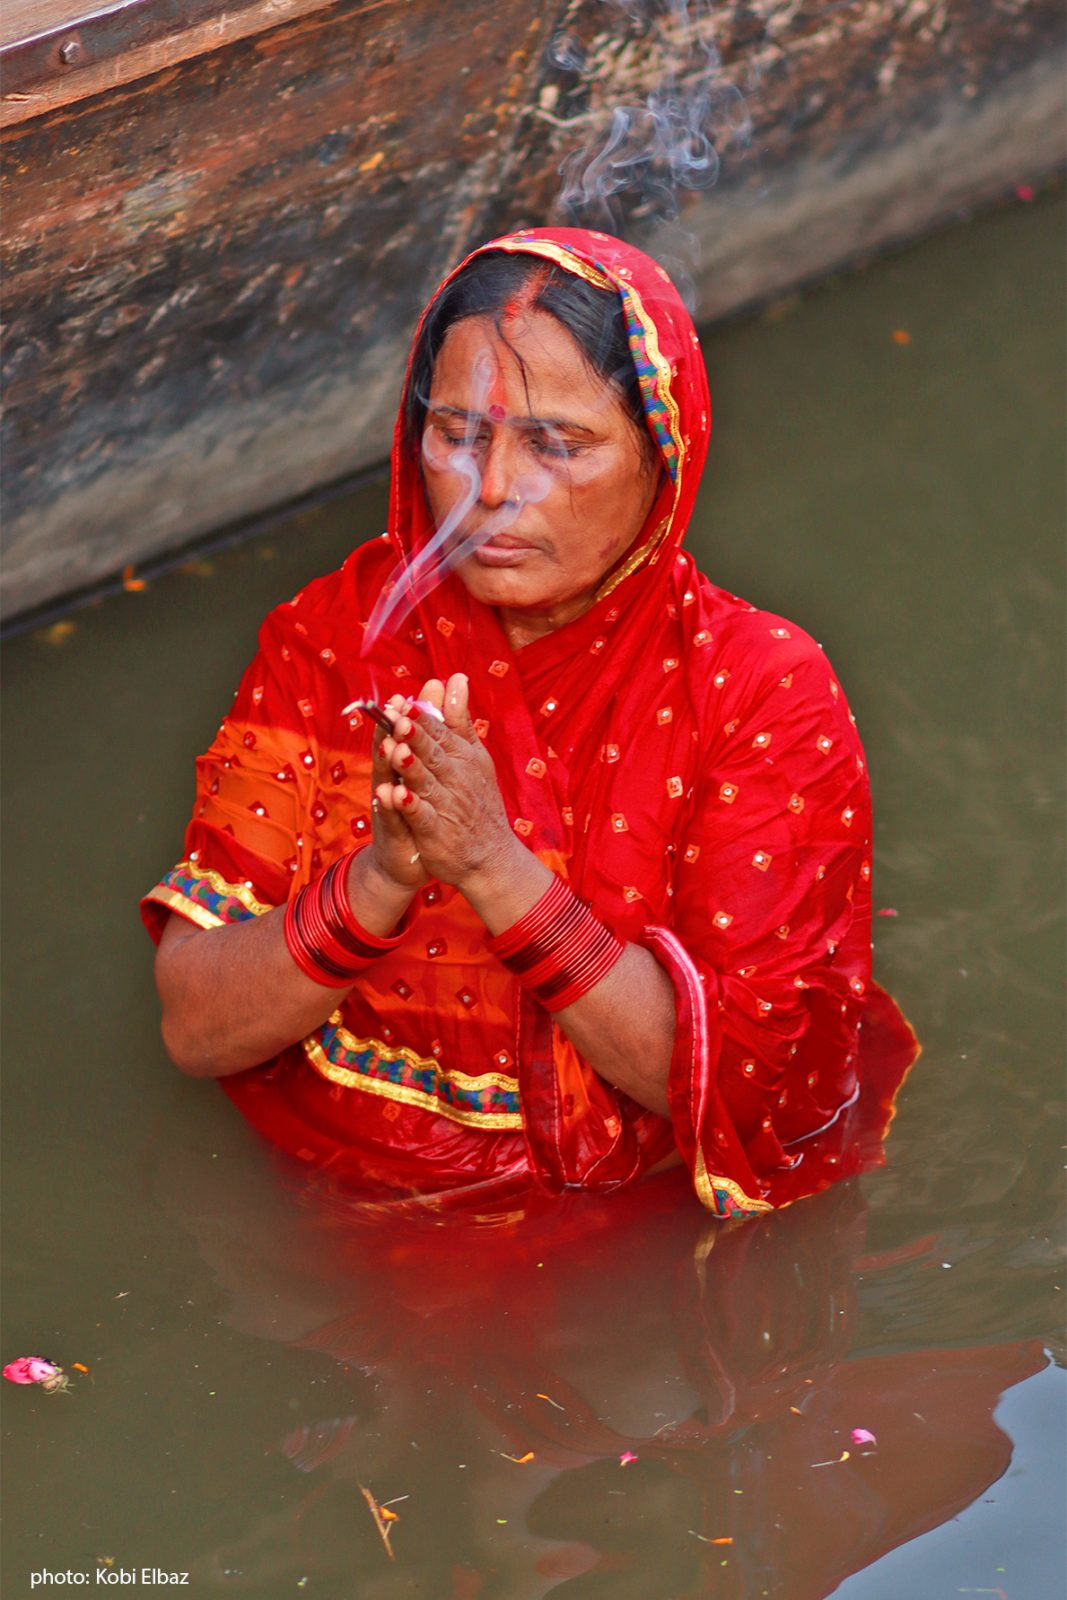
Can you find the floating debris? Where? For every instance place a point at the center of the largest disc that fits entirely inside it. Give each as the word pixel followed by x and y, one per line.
pixel 846 1455
pixel 58 633
pixel 552 1402
pixel 381 1521
pixel 132 584
pixel 901 336
pixel 35 1369
pixel 887 911
pixel 863 1436
pixel 1024 192
pixel 520 1461
pixel 626 1457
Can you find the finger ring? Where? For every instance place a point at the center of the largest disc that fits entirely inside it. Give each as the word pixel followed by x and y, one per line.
pixel 414 858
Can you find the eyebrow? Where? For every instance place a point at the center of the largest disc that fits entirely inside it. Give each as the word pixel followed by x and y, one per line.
pixel 560 424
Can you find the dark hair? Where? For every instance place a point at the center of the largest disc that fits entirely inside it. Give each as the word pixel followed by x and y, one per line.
pixel 485 288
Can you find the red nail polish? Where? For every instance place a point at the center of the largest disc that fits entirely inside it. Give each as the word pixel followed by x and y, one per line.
pixel 408 797
pixel 409 759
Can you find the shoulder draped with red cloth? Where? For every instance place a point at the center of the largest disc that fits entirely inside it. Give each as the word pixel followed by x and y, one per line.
pixel 686 762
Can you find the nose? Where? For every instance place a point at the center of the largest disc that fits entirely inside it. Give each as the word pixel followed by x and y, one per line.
pixel 498 469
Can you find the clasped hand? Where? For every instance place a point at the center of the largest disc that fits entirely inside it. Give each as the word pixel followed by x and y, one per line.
pixel 445 818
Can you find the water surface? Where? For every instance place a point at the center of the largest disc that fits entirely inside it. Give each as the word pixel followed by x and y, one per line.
pixel 257 1353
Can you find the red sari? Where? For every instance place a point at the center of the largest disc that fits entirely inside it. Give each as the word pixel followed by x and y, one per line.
pixel 687 762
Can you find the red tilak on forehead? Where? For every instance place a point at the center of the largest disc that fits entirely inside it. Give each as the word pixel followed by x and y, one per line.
pixel 523 299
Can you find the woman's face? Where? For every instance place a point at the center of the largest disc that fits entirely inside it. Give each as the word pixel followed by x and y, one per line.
pixel 540 457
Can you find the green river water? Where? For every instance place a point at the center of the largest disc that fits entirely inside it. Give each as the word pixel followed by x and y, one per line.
pixel 257 1357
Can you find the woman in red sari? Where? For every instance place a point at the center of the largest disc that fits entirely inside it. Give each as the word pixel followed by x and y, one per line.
pixel 601 900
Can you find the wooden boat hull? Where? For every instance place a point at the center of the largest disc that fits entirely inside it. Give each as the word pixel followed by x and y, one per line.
pixel 216 242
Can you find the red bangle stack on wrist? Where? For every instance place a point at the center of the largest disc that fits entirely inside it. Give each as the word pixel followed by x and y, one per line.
pixel 559 950
pixel 322 933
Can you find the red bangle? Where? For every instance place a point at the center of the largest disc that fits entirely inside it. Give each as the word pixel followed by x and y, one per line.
pixel 322 932
pixel 559 950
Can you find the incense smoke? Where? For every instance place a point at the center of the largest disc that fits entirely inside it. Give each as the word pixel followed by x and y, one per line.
pixel 413 580
pixel 632 173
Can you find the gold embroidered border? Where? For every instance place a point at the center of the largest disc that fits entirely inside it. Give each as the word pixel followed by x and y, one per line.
pixel 563 258
pixel 185 907
pixel 463 1080
pixel 663 368
pixel 221 886
pixel 508 1121
pixel 703 1184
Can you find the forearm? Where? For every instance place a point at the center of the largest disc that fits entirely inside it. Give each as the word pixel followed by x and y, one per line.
pixel 624 1025
pixel 233 996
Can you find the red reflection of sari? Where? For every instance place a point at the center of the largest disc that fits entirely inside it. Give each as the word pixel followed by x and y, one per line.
pixel 688 762
pixel 728 1364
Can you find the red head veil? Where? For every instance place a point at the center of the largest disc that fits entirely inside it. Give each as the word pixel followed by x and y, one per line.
pixel 559 716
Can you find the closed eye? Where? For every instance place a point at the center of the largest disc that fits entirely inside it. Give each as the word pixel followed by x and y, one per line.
pixel 556 449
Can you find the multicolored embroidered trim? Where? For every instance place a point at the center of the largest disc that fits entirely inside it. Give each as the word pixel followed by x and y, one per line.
pixel 653 375
pixel 204 897
pixel 722 1196
pixel 489 1100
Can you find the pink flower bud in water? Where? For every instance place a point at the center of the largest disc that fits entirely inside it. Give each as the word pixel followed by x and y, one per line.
pixel 31 1369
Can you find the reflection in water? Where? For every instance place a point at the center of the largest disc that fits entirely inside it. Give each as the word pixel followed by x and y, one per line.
pixel 722 1356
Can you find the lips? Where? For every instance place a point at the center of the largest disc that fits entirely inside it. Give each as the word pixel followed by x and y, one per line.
pixel 508 541
pixel 504 550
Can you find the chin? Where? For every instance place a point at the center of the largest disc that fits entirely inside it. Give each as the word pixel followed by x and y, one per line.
pixel 503 586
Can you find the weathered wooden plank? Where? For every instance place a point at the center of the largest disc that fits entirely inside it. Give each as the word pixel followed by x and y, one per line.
pixel 211 275
pixel 26 19
pixel 74 52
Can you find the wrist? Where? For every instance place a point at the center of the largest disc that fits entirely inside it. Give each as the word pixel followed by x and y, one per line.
pixel 324 934
pixel 559 949
pixel 377 900
pixel 504 887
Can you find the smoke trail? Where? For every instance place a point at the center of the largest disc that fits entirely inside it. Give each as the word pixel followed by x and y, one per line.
pixel 414 580
pixel 429 567
pixel 632 175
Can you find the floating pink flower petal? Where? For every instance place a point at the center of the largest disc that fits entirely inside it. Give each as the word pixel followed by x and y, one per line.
pixel 863 1436
pixel 35 1369
pixel 1023 191
pixel 887 911
pixel 626 1457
